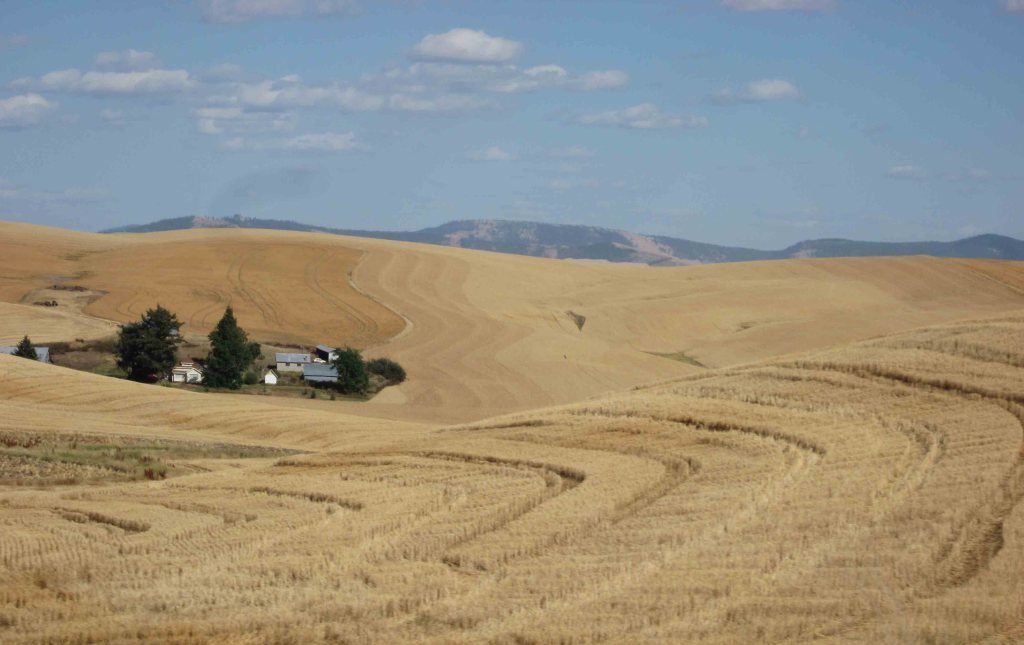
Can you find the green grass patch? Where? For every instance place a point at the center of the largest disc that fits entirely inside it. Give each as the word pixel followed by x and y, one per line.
pixel 32 459
pixel 682 357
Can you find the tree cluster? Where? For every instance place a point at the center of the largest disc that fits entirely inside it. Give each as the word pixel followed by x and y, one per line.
pixel 147 349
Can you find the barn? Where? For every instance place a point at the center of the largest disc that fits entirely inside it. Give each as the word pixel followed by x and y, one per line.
pixel 320 373
pixel 290 362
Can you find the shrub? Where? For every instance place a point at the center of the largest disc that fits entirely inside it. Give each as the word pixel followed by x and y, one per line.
pixel 391 371
pixel 251 378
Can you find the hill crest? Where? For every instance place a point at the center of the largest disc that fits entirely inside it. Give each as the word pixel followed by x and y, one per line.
pixel 565 241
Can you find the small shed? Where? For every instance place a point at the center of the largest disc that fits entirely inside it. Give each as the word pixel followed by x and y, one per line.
pixel 291 362
pixel 270 378
pixel 320 373
pixel 42 353
pixel 325 353
pixel 187 373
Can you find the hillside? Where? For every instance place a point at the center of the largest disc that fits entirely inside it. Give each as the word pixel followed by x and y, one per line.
pixel 868 493
pixel 592 243
pixel 483 333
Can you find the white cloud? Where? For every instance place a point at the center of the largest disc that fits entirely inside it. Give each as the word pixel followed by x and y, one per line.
pixel 573 184
pixel 291 92
pixel 468 46
pixel 153 81
pixel 317 142
pixel 782 5
pixel 768 89
pixel 907 171
pixel 572 152
pixel 128 59
pixel 494 153
pixel 644 117
pixel 218 120
pixel 42 198
pixel 501 79
pixel 11 42
pixel 1014 6
pixel 24 110
pixel 234 11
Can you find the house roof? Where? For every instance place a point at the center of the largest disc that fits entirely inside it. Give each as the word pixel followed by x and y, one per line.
pixel 189 367
pixel 325 349
pixel 284 357
pixel 42 353
pixel 319 372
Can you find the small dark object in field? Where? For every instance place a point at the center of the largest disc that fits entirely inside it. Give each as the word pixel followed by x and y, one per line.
pixel 578 319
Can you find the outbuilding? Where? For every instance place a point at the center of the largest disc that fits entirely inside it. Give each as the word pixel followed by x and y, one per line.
pixel 42 353
pixel 270 378
pixel 289 362
pixel 325 353
pixel 320 373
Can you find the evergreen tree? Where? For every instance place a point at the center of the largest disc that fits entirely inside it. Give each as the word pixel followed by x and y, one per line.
pixel 26 349
pixel 352 376
pixel 231 353
pixel 146 349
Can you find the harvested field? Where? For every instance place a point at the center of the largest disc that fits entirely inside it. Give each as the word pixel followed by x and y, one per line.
pixel 867 493
pixel 823 450
pixel 483 333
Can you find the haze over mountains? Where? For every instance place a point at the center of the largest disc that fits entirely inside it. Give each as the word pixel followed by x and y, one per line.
pixel 593 243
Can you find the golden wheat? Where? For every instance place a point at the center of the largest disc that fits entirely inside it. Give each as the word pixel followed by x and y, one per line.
pixel 870 492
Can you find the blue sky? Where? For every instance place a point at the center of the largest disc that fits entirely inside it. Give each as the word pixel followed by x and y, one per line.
pixel 752 122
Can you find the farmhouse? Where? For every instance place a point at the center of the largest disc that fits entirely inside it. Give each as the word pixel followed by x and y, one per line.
pixel 320 373
pixel 325 353
pixel 42 353
pixel 270 378
pixel 288 362
pixel 187 372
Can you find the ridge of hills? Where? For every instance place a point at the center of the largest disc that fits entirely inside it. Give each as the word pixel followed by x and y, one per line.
pixel 593 243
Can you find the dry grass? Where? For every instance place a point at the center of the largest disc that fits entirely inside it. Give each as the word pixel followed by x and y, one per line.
pixel 869 492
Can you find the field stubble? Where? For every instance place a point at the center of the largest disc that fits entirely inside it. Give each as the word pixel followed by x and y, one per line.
pixel 867 493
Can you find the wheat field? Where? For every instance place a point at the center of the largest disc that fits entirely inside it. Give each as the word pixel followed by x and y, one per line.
pixel 847 465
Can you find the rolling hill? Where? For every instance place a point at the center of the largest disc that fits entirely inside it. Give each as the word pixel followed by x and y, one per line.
pixel 592 243
pixel 838 456
pixel 484 333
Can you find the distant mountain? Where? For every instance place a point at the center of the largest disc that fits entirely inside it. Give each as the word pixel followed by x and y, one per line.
pixel 592 243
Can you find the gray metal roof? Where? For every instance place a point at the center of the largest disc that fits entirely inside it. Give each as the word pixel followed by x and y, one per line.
pixel 283 357
pixel 320 372
pixel 42 353
pixel 325 349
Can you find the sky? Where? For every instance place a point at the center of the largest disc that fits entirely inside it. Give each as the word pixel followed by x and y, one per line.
pixel 741 122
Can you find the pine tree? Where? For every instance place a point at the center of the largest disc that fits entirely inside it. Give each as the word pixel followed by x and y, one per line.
pixel 230 353
pixel 26 349
pixel 352 376
pixel 147 349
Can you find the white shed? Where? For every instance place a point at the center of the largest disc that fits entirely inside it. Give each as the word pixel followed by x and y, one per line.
pixel 270 378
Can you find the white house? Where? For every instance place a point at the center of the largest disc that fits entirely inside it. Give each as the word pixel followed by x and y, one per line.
pixel 270 378
pixel 187 373
pixel 288 362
